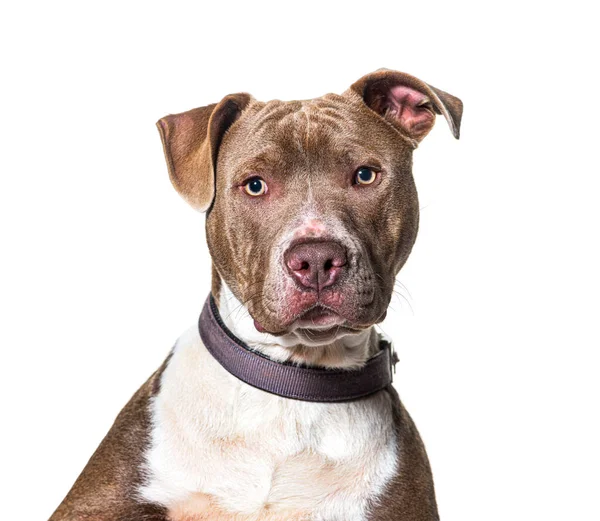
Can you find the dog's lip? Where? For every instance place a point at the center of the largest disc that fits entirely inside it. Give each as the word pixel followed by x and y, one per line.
pixel 318 317
pixel 315 318
pixel 259 327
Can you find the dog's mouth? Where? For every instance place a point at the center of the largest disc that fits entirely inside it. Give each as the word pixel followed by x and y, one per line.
pixel 331 313
pixel 316 325
pixel 315 317
pixel 318 317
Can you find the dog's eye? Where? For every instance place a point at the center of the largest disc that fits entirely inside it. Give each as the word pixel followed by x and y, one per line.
pixel 365 175
pixel 255 186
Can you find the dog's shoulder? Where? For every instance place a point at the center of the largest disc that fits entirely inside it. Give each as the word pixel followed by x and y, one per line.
pixel 409 495
pixel 106 489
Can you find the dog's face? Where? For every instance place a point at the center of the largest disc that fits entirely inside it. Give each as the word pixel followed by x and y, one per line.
pixel 312 204
pixel 319 211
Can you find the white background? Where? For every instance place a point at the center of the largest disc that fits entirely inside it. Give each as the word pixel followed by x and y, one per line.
pixel 103 266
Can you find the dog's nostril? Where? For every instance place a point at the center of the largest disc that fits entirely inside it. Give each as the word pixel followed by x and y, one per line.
pixel 316 264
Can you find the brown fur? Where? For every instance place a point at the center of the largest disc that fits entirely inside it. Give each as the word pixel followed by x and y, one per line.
pixel 410 495
pixel 293 144
pixel 106 488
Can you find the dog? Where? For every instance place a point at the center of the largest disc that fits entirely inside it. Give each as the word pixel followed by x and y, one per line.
pixel 278 404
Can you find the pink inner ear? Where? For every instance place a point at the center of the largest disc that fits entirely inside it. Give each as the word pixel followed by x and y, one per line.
pixel 411 108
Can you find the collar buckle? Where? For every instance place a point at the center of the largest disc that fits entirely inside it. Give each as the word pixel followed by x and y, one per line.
pixel 394 359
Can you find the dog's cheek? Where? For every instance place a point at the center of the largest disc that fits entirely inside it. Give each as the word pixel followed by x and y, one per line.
pixel 220 246
pixel 398 224
pixel 240 248
pixel 389 241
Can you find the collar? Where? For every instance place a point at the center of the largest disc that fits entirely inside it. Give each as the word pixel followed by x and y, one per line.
pixel 300 382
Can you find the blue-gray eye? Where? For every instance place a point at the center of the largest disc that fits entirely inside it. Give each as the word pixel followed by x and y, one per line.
pixel 255 186
pixel 365 175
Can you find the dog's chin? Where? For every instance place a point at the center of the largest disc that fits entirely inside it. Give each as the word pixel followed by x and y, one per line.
pixel 316 326
pixel 318 337
pixel 317 318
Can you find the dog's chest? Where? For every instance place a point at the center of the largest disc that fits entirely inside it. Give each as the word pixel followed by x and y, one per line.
pixel 222 450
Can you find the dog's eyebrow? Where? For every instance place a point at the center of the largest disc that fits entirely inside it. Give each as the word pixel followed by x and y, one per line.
pixel 269 158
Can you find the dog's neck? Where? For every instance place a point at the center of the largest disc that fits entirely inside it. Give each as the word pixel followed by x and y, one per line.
pixel 349 351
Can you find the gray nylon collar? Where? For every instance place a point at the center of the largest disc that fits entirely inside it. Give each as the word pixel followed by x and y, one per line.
pixel 311 384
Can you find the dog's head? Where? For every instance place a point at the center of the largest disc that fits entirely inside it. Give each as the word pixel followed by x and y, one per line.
pixel 312 207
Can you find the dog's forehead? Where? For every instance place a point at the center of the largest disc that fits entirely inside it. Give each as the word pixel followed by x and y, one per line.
pixel 303 125
pixel 319 132
pixel 331 112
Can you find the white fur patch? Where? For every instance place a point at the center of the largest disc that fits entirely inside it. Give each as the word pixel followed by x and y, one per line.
pixel 220 444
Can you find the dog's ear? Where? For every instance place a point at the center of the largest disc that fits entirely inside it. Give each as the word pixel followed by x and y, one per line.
pixel 408 102
pixel 191 143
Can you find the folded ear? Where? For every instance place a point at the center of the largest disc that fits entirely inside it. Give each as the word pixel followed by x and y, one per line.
pixel 408 102
pixel 191 143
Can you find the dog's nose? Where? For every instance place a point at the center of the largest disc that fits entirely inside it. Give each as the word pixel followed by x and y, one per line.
pixel 316 265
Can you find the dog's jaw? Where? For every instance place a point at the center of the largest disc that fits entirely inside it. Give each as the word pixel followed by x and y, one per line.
pixel 346 348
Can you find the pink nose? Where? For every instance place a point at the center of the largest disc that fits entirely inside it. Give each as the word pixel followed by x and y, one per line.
pixel 316 265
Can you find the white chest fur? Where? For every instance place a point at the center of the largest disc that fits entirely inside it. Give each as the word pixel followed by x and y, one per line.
pixel 223 450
